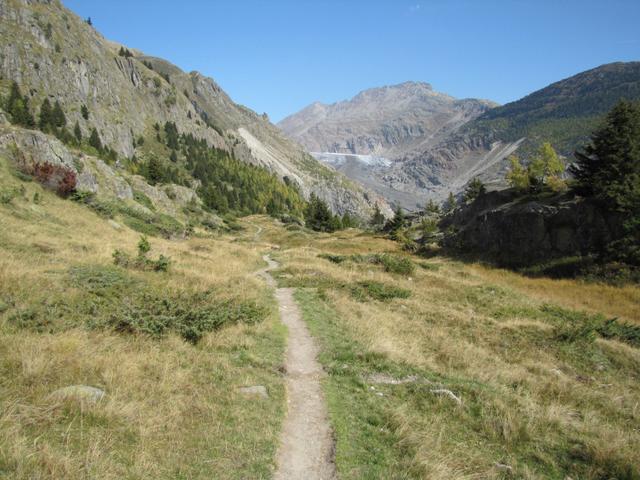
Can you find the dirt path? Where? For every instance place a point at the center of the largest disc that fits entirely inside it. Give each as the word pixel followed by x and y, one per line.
pixel 306 444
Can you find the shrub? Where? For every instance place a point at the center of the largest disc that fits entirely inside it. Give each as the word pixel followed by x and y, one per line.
pixel 390 263
pixel 141 261
pixel 378 291
pixel 60 178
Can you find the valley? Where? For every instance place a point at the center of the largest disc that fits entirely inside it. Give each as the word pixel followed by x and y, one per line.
pixel 540 396
pixel 403 285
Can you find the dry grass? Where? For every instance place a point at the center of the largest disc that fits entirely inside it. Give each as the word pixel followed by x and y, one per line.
pixel 172 409
pixel 546 408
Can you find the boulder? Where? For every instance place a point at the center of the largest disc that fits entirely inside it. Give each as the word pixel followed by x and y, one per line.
pixel 81 393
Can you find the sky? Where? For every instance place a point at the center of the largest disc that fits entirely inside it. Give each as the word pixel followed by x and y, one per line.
pixel 278 56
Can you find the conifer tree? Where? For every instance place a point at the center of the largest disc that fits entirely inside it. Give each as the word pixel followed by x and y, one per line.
pixel 85 112
pixel 377 219
pixel 45 121
pixel 450 204
pixel 57 116
pixel 475 189
pixel 94 140
pixel 77 133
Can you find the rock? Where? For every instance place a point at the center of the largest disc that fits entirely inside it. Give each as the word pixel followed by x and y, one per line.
pixel 81 393
pixel 254 391
pixel 516 232
pixel 115 224
pixel 447 393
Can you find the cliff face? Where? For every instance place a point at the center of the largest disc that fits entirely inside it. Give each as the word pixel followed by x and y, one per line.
pixel 52 53
pixel 518 231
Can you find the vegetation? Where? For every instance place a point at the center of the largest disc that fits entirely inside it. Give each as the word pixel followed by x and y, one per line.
pixel 544 171
pixel 122 259
pixel 609 170
pixel 17 106
pixel 318 217
pixel 530 378
pixel 169 350
pixel 474 190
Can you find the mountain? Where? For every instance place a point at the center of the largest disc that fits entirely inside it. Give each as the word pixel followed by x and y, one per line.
pixel 51 53
pixel 386 122
pixel 430 166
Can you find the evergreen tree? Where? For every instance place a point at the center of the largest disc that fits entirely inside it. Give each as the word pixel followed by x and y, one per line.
pixel 317 215
pixel 94 140
pixel 174 156
pixel 432 208
pixel 475 189
pixel 377 219
pixel 608 169
pixel 57 116
pixel 85 112
pixel 46 120
pixel 155 172
pixel 396 223
pixel 450 204
pixel 89 22
pixel 18 107
pixel 77 133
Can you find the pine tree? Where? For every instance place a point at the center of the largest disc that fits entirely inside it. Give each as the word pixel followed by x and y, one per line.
pixel 57 116
pixel 432 208
pixel 450 204
pixel 377 219
pixel 609 167
pixel 18 108
pixel 45 121
pixel 155 172
pixel 85 112
pixel 77 133
pixel 397 222
pixel 94 140
pixel 474 190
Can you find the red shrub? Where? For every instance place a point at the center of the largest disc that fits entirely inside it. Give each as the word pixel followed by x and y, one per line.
pixel 56 177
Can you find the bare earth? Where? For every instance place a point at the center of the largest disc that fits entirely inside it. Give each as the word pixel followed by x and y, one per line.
pixel 306 444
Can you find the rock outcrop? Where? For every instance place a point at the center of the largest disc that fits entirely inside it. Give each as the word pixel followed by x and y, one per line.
pixel 515 231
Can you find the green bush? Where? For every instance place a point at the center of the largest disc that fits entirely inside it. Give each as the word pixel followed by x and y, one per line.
pixel 391 263
pixel 141 262
pixel 113 300
pixel 362 291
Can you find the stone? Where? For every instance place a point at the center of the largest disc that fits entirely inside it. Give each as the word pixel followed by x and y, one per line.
pixel 81 393
pixel 254 391
pixel 115 224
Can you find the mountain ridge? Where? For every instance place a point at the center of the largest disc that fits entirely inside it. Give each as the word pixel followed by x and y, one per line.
pixel 53 53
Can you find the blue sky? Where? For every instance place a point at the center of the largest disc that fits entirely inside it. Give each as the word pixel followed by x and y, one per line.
pixel 277 56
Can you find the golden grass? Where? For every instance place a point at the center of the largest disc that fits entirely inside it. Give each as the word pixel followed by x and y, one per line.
pixel 172 409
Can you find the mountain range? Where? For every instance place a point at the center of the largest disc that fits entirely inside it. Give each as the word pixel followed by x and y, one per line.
pixel 410 143
pixel 126 95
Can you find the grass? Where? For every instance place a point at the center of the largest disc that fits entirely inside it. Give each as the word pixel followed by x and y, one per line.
pixel 547 370
pixel 169 349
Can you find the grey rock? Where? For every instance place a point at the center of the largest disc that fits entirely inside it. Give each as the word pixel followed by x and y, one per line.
pixel 81 393
pixel 517 232
pixel 255 390
pixel 115 224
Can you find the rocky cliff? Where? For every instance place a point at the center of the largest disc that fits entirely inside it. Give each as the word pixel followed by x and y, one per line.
pixel 520 231
pixel 52 53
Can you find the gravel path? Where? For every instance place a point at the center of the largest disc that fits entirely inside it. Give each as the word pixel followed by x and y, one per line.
pixel 306 444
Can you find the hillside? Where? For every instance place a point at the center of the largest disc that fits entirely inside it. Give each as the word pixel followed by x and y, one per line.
pixel 564 113
pixel 123 95
pixel 179 354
